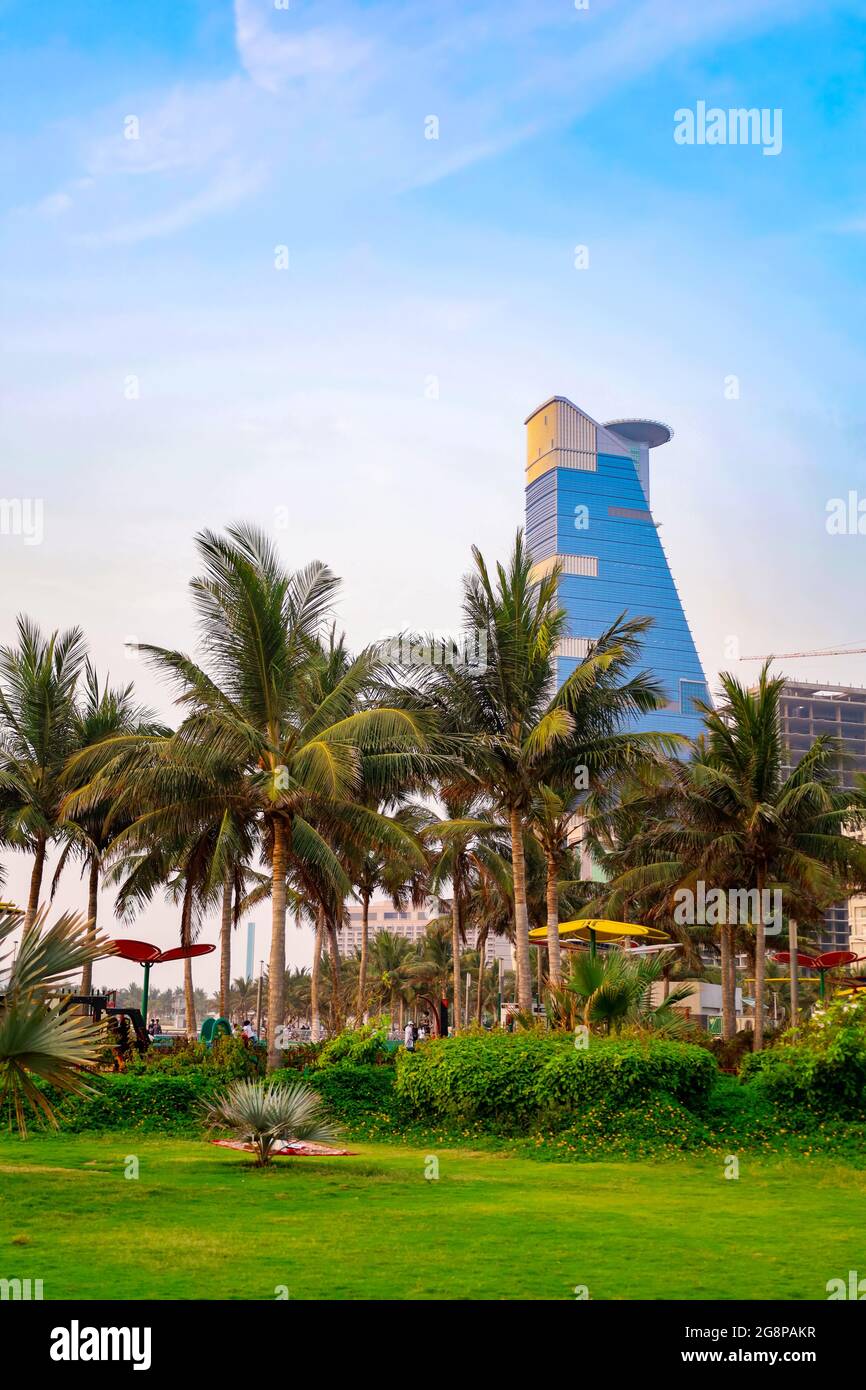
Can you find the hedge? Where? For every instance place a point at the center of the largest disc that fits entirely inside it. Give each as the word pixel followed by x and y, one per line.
pixel 512 1078
pixel 156 1101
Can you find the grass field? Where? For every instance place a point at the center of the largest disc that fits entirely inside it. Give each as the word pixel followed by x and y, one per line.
pixel 200 1222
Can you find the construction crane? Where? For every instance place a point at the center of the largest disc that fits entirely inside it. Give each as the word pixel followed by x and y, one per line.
pixel 820 651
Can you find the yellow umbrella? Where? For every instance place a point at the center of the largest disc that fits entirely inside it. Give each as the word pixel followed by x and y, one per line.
pixel 590 928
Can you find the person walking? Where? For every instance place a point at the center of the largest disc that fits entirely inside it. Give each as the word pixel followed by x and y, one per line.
pixel 409 1036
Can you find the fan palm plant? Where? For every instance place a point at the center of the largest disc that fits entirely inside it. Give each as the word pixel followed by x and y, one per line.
pixel 38 721
pixel 263 1112
pixel 39 1038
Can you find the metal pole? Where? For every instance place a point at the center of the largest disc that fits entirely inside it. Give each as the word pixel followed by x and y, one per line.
pixel 468 987
pixel 591 944
pixel 499 992
pixel 145 993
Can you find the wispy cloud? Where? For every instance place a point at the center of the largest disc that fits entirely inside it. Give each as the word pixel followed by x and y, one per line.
pixel 333 97
pixel 230 187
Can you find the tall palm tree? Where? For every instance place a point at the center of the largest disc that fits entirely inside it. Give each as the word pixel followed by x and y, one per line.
pixel 469 845
pixel 392 961
pixel 258 740
pixel 38 720
pixel 508 707
pixel 430 972
pixel 732 817
pixel 103 713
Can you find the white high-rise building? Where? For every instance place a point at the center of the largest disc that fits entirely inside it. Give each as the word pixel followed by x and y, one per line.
pixel 410 922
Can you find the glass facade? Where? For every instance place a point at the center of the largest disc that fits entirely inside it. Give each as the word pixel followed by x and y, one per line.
pixel 809 710
pixel 587 507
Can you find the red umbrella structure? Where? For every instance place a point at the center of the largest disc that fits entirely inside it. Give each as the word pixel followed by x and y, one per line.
pixel 829 960
pixel 148 955
pixel 140 951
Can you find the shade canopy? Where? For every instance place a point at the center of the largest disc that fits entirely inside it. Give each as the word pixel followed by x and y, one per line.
pixel 582 926
pixel 141 951
pixel 830 960
pixel 183 953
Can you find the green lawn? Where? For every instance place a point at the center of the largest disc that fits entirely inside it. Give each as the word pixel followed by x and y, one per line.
pixel 199 1222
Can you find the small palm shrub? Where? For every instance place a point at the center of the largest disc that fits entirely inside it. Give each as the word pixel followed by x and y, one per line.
pixel 261 1113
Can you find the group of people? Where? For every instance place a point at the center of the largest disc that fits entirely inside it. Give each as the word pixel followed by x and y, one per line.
pixel 413 1033
pixel 154 1027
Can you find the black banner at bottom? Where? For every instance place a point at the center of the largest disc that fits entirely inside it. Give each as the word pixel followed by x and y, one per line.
pixel 170 1338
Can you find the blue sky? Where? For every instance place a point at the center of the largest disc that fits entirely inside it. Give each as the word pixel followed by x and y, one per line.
pixel 307 389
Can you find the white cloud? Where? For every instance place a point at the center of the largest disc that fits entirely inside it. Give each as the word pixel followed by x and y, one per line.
pixel 230 187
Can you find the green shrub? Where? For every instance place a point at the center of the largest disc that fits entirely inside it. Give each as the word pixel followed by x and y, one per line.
pixel 823 1068
pixel 484 1076
pixel 627 1073
pixel 298 1056
pixel 365 1046
pixel 233 1057
pixel 152 1103
pixel 353 1092
pixel 511 1078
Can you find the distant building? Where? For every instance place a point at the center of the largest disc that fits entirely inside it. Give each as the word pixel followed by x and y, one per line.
pixel 411 923
pixel 808 710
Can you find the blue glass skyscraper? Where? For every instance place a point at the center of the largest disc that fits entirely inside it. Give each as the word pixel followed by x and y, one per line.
pixel 588 506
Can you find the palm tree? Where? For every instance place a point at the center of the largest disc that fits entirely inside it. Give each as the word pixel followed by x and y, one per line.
pixel 392 962
pixel 38 721
pixel 430 973
pixel 257 739
pixel 242 997
pixel 38 1038
pixel 733 818
pixel 613 989
pixel 470 846
pixel 103 713
pixel 513 718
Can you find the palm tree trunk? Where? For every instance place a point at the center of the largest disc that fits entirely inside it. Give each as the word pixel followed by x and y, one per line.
pixel 315 977
pixel 35 881
pixel 189 999
pixel 795 988
pixel 554 955
pixel 362 968
pixel 277 962
pixel 226 948
pixel 728 1001
pixel 336 974
pixel 760 967
pixel 521 916
pixel 479 997
pixel 455 947
pixel 92 909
